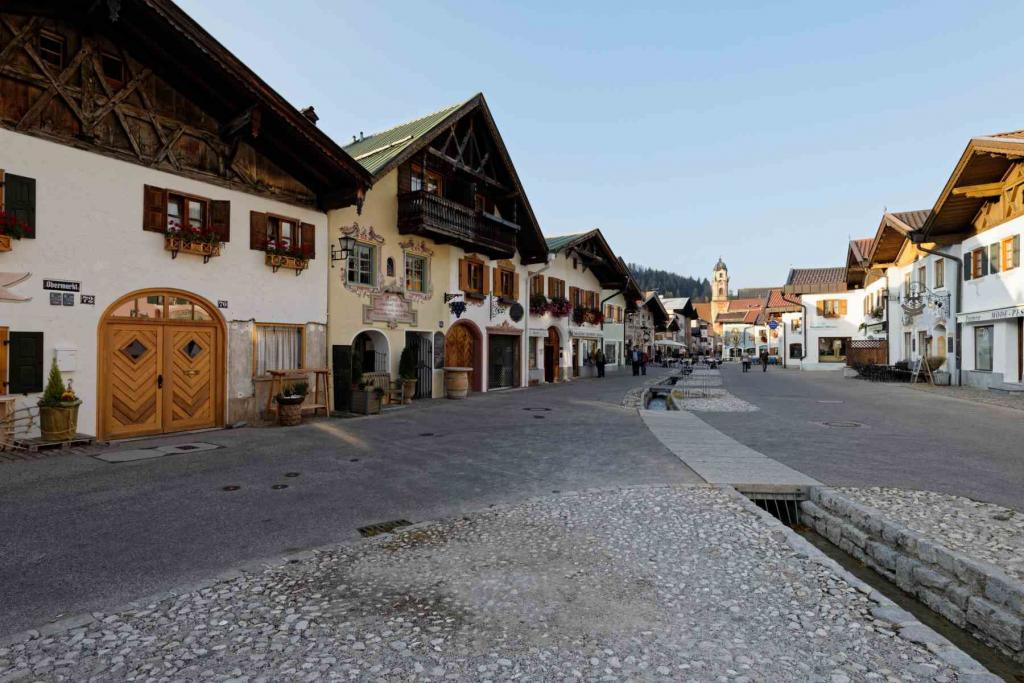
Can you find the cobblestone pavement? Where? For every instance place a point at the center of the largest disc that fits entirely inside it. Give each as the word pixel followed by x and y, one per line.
pixel 634 584
pixel 974 394
pixel 985 532
pixel 717 401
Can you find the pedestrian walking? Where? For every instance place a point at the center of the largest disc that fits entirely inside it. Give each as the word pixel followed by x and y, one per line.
pixel 764 360
pixel 635 359
pixel 599 360
pixel 644 360
pixel 746 362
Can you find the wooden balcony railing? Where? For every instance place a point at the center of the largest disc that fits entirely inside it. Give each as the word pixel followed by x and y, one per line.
pixel 442 219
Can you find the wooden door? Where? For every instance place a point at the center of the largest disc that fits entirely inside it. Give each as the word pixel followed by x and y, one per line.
pixel 552 343
pixel 133 404
pixel 575 357
pixel 460 351
pixel 190 362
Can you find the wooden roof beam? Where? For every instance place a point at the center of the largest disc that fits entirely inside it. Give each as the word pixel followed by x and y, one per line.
pixel 979 191
pixel 463 167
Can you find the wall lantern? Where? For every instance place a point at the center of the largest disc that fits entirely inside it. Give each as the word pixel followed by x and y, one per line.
pixel 345 246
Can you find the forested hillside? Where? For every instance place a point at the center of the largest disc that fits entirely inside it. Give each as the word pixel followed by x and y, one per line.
pixel 670 284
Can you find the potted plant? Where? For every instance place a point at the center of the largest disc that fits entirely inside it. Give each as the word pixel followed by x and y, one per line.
pixel 407 372
pixel 366 399
pixel 538 304
pixel 58 408
pixel 191 239
pixel 559 306
pixel 289 404
pixel 285 254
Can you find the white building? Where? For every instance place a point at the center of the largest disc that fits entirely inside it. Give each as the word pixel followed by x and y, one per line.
pixel 833 315
pixel 151 215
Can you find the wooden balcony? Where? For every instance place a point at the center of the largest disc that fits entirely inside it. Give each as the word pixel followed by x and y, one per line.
pixel 448 222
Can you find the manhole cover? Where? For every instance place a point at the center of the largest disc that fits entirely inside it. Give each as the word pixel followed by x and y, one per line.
pixel 278 487
pixel 828 401
pixel 426 433
pixel 354 460
pixel 538 417
pixel 291 474
pixel 538 410
pixel 231 488
pixel 846 424
pixel 383 527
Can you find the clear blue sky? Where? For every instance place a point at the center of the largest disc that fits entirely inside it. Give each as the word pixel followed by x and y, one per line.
pixel 768 133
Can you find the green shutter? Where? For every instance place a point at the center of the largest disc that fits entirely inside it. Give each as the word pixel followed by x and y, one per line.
pixel 20 199
pixel 1016 250
pixel 25 362
pixel 968 264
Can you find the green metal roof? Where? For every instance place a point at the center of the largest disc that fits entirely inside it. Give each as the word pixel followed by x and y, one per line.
pixel 560 242
pixel 376 150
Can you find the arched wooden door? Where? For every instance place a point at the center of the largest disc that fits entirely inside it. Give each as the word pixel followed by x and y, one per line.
pixel 161 361
pixel 461 350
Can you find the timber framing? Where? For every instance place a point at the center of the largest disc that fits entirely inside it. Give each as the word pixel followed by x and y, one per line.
pixel 151 87
pixel 595 254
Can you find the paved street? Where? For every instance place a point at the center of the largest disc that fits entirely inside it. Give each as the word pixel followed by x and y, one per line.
pixel 909 439
pixel 80 534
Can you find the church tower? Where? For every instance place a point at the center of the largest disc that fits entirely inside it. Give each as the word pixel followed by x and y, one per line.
pixel 719 292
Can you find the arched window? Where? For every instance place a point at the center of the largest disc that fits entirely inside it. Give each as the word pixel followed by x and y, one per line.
pixel 391 267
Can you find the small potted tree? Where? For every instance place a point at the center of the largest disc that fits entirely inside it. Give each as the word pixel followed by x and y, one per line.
pixel 58 408
pixel 289 404
pixel 407 371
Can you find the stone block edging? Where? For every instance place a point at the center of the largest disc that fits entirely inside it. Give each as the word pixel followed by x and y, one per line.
pixel 974 595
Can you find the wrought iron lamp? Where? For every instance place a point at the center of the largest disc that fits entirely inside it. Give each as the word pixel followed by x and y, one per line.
pixel 346 244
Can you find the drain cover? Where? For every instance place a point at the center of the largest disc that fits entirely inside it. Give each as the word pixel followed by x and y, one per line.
pixel 538 410
pixel 231 488
pixel 278 487
pixel 841 424
pixel 383 527
pixel 354 460
pixel 829 401
pixel 538 417
pixel 426 433
pixel 291 474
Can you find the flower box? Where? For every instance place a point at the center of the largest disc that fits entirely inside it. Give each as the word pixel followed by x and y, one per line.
pixel 5 243
pixel 205 249
pixel 296 263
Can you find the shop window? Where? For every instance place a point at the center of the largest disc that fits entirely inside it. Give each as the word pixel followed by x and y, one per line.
pixel 983 347
pixel 415 273
pixel 832 349
pixel 361 264
pixel 277 347
pixel 796 351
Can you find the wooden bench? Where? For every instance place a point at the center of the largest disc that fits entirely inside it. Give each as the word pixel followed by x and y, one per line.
pixel 320 384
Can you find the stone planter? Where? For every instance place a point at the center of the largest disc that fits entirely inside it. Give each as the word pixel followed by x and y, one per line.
pixel 365 401
pixel 5 242
pixel 408 390
pixel 941 377
pixel 289 410
pixel 456 382
pixel 59 423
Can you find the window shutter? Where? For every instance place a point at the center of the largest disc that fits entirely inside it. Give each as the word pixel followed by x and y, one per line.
pixel 552 287
pixel 1 189
pixel 983 270
pixel 515 286
pixel 820 308
pixel 257 231
pixel 487 279
pixel 967 267
pixel 20 199
pixel 308 239
pixel 154 209
pixel 842 307
pixel 1016 250
pixel 463 274
pixel 496 279
pixel 220 219
pixel 3 360
pixel 25 362
pixel 573 297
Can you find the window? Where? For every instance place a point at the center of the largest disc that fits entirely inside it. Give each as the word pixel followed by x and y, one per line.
pixel 361 264
pixel 537 285
pixel 505 284
pixel 796 351
pixel 922 344
pixel 922 276
pixel 979 263
pixel 25 362
pixel 52 49
pixel 483 204
pixel 282 233
pixel 983 347
pixel 389 267
pixel 18 198
pixel 832 308
pixel 415 273
pixel 433 180
pixel 185 213
pixel 940 274
pixel 575 264
pixel 277 347
pixel 473 277
pixel 556 288
pixel 908 344
pixel 993 258
pixel 113 68
pixel 940 345
pixel 906 285
pixel 1011 252
pixel 179 308
pixel 795 324
pixel 438 351
pixel 832 349
pixel 610 356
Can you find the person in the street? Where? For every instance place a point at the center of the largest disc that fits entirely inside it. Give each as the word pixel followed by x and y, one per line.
pixel 635 358
pixel 764 360
pixel 746 362
pixel 644 360
pixel 599 360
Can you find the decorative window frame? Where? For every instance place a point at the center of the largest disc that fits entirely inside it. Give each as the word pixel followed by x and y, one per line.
pixel 419 250
pixel 368 236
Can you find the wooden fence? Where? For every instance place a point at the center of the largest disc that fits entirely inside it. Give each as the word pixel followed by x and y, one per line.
pixel 867 352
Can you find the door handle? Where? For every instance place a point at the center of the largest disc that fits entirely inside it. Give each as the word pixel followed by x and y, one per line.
pixel 159 381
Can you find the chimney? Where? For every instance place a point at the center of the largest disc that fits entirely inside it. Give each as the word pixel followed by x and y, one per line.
pixel 360 136
pixel 310 114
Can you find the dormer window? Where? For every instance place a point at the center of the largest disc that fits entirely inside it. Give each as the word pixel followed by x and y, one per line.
pixel 113 68
pixel 434 184
pixel 52 49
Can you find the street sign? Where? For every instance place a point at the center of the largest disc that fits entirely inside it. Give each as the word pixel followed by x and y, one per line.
pixel 773 324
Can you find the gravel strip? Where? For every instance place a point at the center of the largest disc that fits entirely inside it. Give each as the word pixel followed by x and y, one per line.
pixel 717 401
pixel 637 584
pixel 982 531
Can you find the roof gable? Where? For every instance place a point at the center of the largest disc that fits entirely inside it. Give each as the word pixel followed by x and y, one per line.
pixel 815 280
pixel 594 253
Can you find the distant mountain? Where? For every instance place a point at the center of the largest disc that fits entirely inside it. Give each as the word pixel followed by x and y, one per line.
pixel 670 284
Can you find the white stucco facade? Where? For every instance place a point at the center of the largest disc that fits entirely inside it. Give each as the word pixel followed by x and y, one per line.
pixel 828 334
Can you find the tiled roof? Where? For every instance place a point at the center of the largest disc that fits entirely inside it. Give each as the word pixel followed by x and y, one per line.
pixel 777 302
pixel 913 219
pixel 751 315
pixel 703 311
pixel 560 242
pixel 817 276
pixel 743 304
pixel 376 150
pixel 861 248
pixel 731 317
pixel 752 292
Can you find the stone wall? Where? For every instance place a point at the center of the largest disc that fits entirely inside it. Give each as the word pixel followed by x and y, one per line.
pixel 974 595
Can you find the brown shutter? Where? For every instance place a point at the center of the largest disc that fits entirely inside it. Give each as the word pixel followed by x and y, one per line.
pixel 573 296
pixel 220 219
pixel 307 237
pixel 463 274
pixel 257 231
pixel 515 286
pixel 821 308
pixel 3 360
pixel 842 307
pixel 552 287
pixel 496 281
pixel 487 279
pixel 2 191
pixel 154 209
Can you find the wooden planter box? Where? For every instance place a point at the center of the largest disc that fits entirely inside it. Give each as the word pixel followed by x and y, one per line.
pixel 178 244
pixel 365 402
pixel 5 242
pixel 296 263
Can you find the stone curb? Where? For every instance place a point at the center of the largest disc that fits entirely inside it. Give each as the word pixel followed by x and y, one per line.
pixel 68 623
pixel 903 623
pixel 969 593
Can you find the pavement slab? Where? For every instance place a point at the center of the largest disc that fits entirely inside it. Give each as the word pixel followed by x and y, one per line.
pixel 644 583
